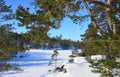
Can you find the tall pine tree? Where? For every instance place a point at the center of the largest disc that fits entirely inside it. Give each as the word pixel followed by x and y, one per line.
pixel 9 41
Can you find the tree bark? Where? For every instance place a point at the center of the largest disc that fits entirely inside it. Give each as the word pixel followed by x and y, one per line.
pixel 109 20
pixel 111 24
pixel 91 16
pixel 114 28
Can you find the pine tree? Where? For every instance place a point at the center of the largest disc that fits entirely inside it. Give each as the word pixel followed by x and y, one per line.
pixel 54 59
pixel 5 29
pixel 9 41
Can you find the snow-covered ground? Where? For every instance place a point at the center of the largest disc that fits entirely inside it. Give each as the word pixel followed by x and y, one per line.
pixel 35 64
pixel 80 68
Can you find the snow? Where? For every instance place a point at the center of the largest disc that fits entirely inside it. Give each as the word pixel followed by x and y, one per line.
pixel 34 62
pixel 78 69
pixel 98 57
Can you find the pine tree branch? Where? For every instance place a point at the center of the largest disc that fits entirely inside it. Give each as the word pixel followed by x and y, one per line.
pixel 103 4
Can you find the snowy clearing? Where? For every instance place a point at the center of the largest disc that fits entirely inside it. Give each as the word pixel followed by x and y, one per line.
pixel 35 64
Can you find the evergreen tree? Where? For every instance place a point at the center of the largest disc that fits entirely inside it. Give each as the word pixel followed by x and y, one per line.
pixel 91 33
pixel 4 28
pixel 9 41
pixel 54 59
pixel 37 36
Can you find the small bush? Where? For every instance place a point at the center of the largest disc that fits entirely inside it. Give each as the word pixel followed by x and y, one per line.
pixel 75 52
pixel 71 60
pixel 82 54
pixel 72 56
pixel 7 67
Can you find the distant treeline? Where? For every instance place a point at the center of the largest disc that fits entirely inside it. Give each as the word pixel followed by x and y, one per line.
pixel 55 43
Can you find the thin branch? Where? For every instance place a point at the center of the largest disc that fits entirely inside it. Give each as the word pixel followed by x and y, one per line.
pixel 103 4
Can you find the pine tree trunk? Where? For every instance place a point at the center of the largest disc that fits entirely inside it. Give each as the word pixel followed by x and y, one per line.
pixel 91 16
pixel 109 20
pixel 112 26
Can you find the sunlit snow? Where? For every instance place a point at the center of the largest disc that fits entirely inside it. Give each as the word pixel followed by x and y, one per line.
pixel 35 64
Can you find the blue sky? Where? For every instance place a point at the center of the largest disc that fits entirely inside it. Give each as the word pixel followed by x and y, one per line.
pixel 68 29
